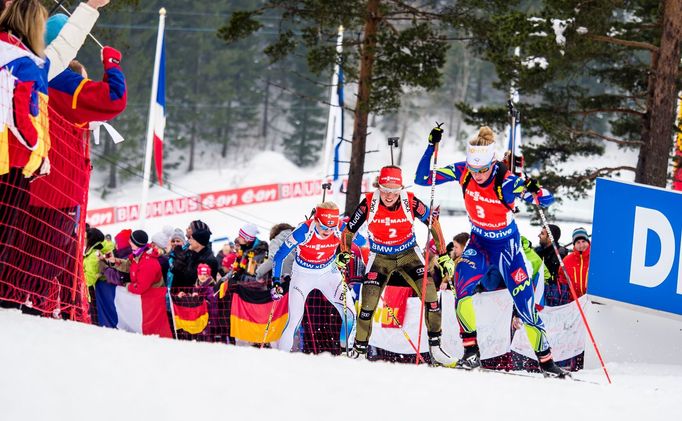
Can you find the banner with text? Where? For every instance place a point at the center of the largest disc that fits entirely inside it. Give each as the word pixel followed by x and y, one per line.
pixel 637 246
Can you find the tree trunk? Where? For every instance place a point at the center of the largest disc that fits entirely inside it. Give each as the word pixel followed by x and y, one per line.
pixel 657 131
pixel 192 139
pixel 266 106
pixel 227 131
pixel 112 166
pixel 357 159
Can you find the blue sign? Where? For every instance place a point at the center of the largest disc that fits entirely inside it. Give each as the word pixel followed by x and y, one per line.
pixel 637 246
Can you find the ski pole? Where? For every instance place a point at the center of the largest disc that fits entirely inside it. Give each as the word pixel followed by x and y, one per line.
pixel 267 326
pixel 392 315
pixel 545 225
pixel 392 142
pixel 345 309
pixel 428 240
pixel 325 187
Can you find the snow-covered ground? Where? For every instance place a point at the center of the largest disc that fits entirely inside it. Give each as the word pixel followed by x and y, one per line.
pixel 57 370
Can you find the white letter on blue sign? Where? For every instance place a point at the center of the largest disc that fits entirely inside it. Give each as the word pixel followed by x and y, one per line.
pixel 651 276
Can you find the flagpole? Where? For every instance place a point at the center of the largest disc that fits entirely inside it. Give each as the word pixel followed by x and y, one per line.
pixel 150 121
pixel 333 103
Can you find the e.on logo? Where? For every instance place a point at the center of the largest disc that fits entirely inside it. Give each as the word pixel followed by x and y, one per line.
pixel 652 276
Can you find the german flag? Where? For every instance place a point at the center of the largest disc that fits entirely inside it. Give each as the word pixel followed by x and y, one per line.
pixel 250 312
pixel 190 315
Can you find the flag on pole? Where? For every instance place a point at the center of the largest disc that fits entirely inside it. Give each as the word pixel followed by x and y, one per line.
pixel 160 115
pixel 334 147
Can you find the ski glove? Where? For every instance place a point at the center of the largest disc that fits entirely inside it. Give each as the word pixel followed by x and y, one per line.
pixel 435 135
pixel 447 266
pixel 111 57
pixel 342 259
pixel 532 185
pixel 276 291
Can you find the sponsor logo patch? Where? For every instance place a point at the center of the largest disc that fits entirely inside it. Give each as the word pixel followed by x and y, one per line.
pixel 372 276
pixel 519 275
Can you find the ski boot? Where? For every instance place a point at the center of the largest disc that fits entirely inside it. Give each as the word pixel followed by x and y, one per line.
pixel 471 358
pixel 549 367
pixel 438 355
pixel 359 351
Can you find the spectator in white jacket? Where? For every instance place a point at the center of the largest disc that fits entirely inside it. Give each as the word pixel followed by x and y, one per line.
pixel 278 234
pixel 63 49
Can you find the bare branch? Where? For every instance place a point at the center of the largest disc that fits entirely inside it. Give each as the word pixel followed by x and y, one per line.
pixel 592 133
pixel 605 171
pixel 609 110
pixel 624 42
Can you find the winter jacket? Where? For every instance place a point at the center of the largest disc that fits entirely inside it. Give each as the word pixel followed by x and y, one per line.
pixel 81 101
pixel 144 269
pixel 185 262
pixel 535 260
pixel 274 245
pixel 91 262
pixel 64 48
pixel 549 257
pixel 577 263
pixel 249 258
pixel 25 75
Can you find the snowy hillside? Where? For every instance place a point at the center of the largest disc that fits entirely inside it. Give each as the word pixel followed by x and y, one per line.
pixel 56 370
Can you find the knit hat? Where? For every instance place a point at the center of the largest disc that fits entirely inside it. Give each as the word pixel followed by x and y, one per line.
pixel 580 233
pixel 178 233
pixel 122 239
pixel 53 26
pixel 161 239
pixel 390 175
pixel 203 269
pixel 556 232
pixel 202 237
pixel 199 225
pixel 139 238
pixel 249 232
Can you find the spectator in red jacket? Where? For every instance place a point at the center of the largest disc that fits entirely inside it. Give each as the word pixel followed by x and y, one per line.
pixel 142 264
pixel 577 262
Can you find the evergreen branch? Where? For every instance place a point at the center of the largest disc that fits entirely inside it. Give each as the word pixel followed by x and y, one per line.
pixel 609 110
pixel 413 11
pixel 592 133
pixel 624 42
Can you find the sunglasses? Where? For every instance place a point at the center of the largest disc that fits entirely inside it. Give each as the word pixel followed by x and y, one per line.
pixel 388 190
pixel 481 170
pixel 323 227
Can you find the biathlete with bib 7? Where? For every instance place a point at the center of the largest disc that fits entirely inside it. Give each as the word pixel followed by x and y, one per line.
pixel 316 242
pixel 390 212
pixel 490 191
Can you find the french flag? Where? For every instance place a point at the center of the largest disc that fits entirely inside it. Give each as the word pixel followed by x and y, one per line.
pixel 120 309
pixel 159 115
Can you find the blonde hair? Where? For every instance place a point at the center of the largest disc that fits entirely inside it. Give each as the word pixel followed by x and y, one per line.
pixel 25 19
pixel 327 205
pixel 484 137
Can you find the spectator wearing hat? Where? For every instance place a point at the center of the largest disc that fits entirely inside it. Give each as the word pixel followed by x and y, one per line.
pixel 161 241
pixel 251 253
pixel 546 251
pixel 278 235
pixel 186 259
pixel 577 262
pixel 142 264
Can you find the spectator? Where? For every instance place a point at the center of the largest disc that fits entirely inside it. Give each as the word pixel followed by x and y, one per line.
pixel 251 253
pixel 546 251
pixel 161 242
pixel 94 251
pixel 577 262
pixel 186 260
pixel 177 238
pixel 122 243
pixel 226 249
pixel 278 234
pixel 458 243
pixel 142 264
pixel 81 100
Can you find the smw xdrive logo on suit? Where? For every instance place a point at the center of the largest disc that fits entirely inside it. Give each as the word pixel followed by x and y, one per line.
pixel 636 252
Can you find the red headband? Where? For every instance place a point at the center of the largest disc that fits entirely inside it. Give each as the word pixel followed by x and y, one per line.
pixel 327 217
pixel 391 175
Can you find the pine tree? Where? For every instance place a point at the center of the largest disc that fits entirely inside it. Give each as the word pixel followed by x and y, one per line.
pixel 589 73
pixel 395 45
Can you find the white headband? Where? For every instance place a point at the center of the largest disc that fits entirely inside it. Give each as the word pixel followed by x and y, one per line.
pixel 480 156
